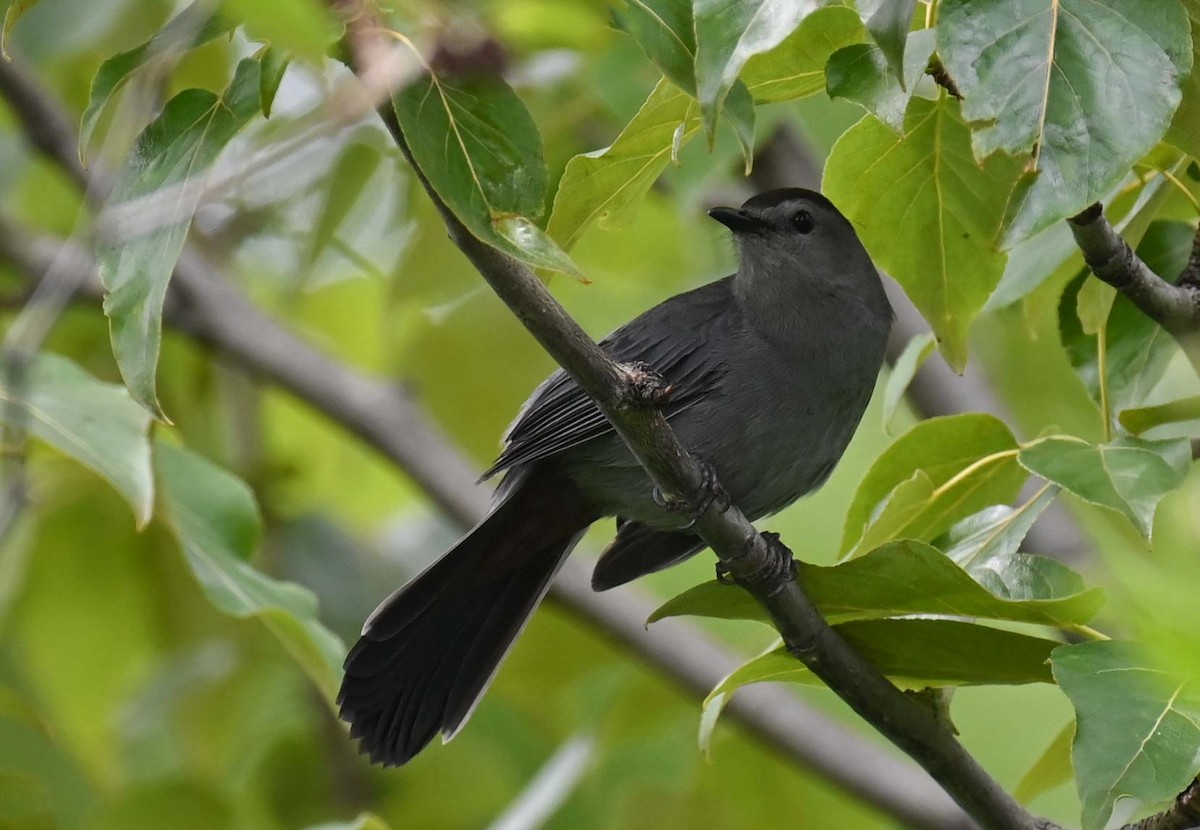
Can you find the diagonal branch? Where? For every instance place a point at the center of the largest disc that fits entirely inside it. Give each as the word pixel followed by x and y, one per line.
pixel 759 564
pixel 383 416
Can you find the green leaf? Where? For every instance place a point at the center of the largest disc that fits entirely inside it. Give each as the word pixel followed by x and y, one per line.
pixel 889 26
pixel 355 165
pixel 927 213
pixel 215 520
pixel 993 533
pixel 729 33
pixel 192 27
pixel 860 73
pixel 796 67
pixel 917 654
pixel 95 423
pixel 942 470
pixel 162 177
pixel 304 28
pixel 1137 727
pixel 364 821
pixel 12 14
pixel 915 353
pixel 1051 769
pixel 475 141
pixel 1129 475
pixel 25 801
pixel 666 32
pixel 603 187
pixel 274 65
pixel 1138 421
pixel 1086 86
pixel 1184 131
pixel 881 584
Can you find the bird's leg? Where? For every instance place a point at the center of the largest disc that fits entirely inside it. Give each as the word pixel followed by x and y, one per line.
pixel 710 493
pixel 645 384
pixel 779 569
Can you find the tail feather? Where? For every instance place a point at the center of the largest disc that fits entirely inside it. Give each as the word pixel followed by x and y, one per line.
pixel 639 550
pixel 430 650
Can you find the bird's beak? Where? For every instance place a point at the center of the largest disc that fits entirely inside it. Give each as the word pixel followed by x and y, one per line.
pixel 736 219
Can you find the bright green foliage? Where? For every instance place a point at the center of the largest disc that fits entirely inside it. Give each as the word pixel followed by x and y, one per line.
pixel 889 27
pixel 927 213
pixel 305 28
pixel 1052 768
pixel 861 73
pixel 1137 727
pixel 796 67
pixel 915 353
pixel 158 191
pixel 1045 77
pixel 95 423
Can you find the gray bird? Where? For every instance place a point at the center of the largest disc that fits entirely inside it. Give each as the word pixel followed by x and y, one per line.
pixel 769 371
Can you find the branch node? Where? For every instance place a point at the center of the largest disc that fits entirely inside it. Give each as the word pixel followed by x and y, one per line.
pixel 937 70
pixel 642 385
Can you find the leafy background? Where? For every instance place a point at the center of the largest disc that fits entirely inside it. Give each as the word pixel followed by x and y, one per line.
pixel 179 675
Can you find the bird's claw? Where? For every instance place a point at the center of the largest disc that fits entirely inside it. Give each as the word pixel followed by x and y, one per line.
pixel 711 493
pixel 645 384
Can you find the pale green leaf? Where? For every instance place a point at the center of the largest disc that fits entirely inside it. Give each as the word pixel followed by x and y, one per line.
pixel 915 353
pixel 1051 769
pixel 796 67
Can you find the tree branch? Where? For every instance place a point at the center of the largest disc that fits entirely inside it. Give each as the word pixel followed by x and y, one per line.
pixel 761 565
pixel 1184 814
pixel 380 414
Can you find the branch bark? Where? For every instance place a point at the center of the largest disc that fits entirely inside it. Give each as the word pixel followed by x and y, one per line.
pixel 383 416
pixel 759 564
pixel 1184 814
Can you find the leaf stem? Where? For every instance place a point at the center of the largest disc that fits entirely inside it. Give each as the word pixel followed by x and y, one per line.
pixel 970 469
pixel 1087 631
pixel 1102 371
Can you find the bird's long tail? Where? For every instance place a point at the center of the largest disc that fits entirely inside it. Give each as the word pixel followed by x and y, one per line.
pixel 428 652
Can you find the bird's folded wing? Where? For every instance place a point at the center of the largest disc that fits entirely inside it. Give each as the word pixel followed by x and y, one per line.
pixel 683 339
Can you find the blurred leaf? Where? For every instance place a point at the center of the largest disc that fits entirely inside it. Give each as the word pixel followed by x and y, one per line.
pixel 932 476
pixel 1138 421
pixel 917 654
pixel 158 191
pixel 95 423
pixel 728 33
pixel 927 213
pixel 1128 475
pixel 302 27
pixel 1184 132
pixel 606 186
pixel 796 67
pixel 12 14
pixel 880 584
pixel 666 33
pixel 916 352
pixel 192 27
pixel 1064 91
pixel 475 141
pixel 274 65
pixel 215 519
pixel 889 26
pixel 1052 768
pixel 365 821
pixel 24 802
pixel 356 163
pixel 860 73
pixel 1137 728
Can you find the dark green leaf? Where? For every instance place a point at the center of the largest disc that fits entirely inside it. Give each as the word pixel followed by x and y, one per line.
pixel 1051 769
pixel 95 423
pixel 354 167
pixel 728 33
pixel 1128 475
pixel 796 67
pixel 12 14
pixel 215 519
pixel 1138 421
pixel 881 584
pixel 915 353
pixel 475 141
pixel 157 193
pixel 665 31
pixel 1184 132
pixel 860 73
pixel 602 187
pixel 927 213
pixel 940 471
pixel 1086 86
pixel 889 26
pixel 274 65
pixel 1137 727
pixel 192 27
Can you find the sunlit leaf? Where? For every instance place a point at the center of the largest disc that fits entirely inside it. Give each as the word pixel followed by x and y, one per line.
pixel 860 73
pixel 1138 421
pixel 151 208
pixel 215 519
pixel 1137 728
pixel 926 212
pixel 942 470
pixel 95 423
pixel 915 353
pixel 796 67
pixel 1086 86
pixel 1129 475
pixel 880 584
pixel 1051 769
pixel 12 14
pixel 192 27
pixel 475 141
pixel 305 28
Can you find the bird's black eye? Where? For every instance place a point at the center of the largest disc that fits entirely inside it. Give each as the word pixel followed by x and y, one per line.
pixel 802 220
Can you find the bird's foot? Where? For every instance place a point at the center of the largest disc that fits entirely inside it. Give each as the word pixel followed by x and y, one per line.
pixel 711 493
pixel 646 385
pixel 780 566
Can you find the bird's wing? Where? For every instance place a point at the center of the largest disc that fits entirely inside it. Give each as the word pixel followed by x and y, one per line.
pixel 682 339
